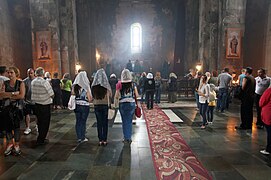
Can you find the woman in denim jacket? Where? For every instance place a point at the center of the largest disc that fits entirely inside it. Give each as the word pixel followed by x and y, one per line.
pixel 81 90
pixel 126 96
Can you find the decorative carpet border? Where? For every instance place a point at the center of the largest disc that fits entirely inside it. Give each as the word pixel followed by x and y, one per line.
pixel 172 157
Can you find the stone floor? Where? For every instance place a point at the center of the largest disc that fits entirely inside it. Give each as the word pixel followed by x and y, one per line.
pixel 225 152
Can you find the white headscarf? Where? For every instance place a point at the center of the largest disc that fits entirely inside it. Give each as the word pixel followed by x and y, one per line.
pixel 126 76
pixel 173 75
pixel 100 78
pixel 149 76
pixel 82 80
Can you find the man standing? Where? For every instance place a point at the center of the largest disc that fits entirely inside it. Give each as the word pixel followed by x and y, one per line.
pixel 248 90
pixel 224 82
pixel 262 83
pixel 129 66
pixel 42 94
pixel 29 104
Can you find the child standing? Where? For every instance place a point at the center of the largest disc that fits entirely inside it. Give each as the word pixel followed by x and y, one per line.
pixel 211 104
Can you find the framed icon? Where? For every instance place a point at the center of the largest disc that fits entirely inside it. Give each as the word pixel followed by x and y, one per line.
pixel 43 40
pixel 233 41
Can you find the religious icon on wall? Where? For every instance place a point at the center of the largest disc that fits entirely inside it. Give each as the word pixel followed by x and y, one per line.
pixel 233 48
pixel 43 40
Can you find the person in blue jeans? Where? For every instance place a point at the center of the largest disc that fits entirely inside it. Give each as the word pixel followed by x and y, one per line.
pixel 204 92
pixel 126 96
pixel 224 82
pixel 101 92
pixel 82 92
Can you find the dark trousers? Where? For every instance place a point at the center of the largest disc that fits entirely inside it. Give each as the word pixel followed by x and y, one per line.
pixel 268 130
pixel 43 113
pixel 259 110
pixel 157 95
pixel 222 99
pixel 246 112
pixel 101 112
pixel 65 98
pixel 149 99
pixel 210 113
pixel 203 111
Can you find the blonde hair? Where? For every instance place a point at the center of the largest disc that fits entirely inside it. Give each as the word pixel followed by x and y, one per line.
pixel 16 70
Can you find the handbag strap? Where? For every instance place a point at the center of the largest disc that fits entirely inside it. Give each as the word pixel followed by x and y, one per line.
pixel 135 98
pixel 108 102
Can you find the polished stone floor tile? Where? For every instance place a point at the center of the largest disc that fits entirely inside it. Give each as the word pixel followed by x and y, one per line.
pixel 71 175
pixel 224 152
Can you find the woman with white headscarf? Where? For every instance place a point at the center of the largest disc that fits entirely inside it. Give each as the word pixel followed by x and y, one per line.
pixel 81 90
pixel 101 92
pixel 126 95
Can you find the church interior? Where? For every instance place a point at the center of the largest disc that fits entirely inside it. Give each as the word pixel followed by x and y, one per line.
pixel 67 35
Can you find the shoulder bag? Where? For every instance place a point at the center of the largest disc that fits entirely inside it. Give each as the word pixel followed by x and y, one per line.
pixel 111 112
pixel 137 109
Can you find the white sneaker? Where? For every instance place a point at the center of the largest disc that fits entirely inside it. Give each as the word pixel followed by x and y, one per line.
pixel 27 131
pixel 85 140
pixel 8 149
pixel 264 152
pixel 17 150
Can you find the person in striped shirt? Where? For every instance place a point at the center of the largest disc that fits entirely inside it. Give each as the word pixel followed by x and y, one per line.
pixel 42 94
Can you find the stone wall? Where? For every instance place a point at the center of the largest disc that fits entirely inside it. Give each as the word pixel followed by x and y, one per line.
pixel 109 31
pixel 191 34
pixel 183 32
pixel 256 26
pixel 15 35
pixel 45 18
pixel 267 64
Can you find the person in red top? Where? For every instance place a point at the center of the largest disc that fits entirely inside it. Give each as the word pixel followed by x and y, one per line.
pixel 265 104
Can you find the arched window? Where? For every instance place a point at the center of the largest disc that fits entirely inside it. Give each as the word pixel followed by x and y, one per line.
pixel 136 38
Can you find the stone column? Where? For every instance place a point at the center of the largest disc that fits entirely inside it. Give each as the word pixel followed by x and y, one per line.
pixel 208 36
pixel 68 36
pixel 45 17
pixel 191 34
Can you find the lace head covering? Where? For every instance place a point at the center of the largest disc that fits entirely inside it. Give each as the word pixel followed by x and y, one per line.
pixel 126 76
pixel 100 78
pixel 113 76
pixel 149 76
pixel 173 75
pixel 82 80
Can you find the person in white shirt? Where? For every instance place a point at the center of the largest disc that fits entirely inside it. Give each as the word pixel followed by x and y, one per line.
pixel 262 83
pixel 42 94
pixel 204 92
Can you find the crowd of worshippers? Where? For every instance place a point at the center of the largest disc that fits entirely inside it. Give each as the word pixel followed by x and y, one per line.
pixel 215 92
pixel 39 93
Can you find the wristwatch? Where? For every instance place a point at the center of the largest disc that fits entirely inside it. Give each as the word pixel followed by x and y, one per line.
pixel 13 93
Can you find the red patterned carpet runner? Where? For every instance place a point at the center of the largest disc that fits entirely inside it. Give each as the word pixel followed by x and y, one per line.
pixel 172 157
